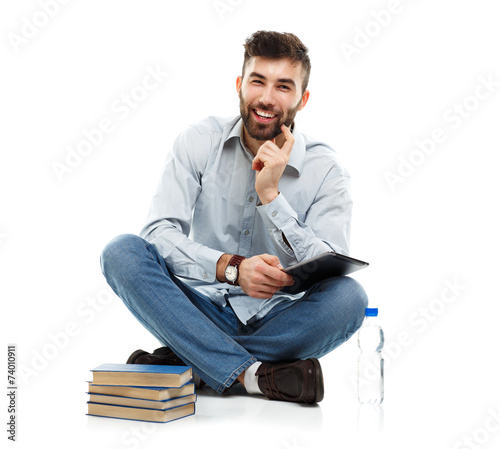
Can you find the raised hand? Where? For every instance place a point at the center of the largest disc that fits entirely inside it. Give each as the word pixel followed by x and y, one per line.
pixel 269 163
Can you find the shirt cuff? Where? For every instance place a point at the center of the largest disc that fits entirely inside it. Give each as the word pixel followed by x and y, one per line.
pixel 207 263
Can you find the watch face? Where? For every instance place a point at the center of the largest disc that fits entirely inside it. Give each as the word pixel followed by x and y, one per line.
pixel 231 273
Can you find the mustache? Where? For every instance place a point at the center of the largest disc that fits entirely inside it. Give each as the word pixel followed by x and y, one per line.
pixel 265 108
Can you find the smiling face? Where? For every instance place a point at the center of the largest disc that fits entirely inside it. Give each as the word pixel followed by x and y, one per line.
pixel 270 95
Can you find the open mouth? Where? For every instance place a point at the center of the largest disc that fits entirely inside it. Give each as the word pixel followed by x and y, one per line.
pixel 264 116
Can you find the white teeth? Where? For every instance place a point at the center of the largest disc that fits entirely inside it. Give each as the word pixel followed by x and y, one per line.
pixel 264 114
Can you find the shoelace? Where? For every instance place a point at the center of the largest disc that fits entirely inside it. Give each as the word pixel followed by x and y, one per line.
pixel 272 388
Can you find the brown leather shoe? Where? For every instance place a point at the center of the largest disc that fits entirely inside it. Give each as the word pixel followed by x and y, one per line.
pixel 300 381
pixel 160 356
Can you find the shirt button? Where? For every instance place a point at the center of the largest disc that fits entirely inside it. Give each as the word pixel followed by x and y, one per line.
pixel 247 232
pixel 250 199
pixel 205 275
pixel 275 213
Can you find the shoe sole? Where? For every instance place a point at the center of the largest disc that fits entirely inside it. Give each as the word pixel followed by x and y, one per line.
pixel 135 355
pixel 319 390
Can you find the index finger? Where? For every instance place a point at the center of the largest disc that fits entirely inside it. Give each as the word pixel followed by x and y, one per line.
pixel 289 139
pixel 277 274
pixel 274 269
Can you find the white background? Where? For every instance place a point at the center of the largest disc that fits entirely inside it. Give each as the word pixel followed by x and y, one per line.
pixel 401 76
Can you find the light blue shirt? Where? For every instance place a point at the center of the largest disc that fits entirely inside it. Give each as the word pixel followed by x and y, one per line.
pixel 206 205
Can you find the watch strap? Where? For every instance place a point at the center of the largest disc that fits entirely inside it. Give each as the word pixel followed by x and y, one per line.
pixel 235 262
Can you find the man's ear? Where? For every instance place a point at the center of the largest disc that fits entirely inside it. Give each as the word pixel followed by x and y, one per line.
pixel 239 81
pixel 304 100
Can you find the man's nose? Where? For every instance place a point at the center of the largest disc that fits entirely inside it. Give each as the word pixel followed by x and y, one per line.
pixel 267 96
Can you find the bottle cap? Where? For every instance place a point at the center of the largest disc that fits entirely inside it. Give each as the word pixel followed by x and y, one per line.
pixel 371 312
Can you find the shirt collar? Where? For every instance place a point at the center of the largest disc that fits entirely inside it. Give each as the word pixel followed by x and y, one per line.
pixel 296 160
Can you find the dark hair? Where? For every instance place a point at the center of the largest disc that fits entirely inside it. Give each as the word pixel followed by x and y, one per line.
pixel 272 44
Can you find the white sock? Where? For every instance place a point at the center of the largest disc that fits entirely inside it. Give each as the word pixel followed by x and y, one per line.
pixel 251 380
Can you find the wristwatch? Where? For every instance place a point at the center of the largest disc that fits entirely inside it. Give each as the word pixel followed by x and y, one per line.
pixel 231 272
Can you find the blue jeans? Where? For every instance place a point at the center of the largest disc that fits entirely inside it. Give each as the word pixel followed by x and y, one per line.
pixel 210 338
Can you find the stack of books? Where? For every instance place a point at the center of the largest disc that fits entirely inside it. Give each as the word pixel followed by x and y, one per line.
pixel 158 393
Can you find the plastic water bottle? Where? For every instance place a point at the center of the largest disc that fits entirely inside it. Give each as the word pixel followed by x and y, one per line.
pixel 370 362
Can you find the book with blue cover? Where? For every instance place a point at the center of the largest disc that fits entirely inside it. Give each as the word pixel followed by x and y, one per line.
pixel 141 403
pixel 151 393
pixel 140 414
pixel 142 375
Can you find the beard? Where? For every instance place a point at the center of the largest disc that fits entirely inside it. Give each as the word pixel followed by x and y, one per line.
pixel 265 131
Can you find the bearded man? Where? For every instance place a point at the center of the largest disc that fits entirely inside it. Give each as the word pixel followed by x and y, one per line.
pixel 238 200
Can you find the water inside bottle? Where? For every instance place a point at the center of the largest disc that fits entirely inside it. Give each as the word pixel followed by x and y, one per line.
pixel 370 363
pixel 371 379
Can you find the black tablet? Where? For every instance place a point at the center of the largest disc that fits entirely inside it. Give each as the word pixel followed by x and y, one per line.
pixel 324 266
